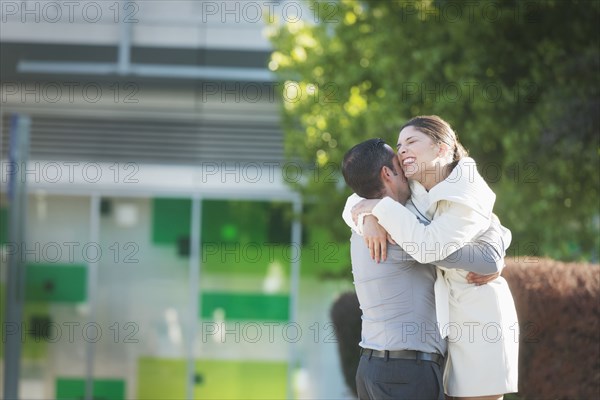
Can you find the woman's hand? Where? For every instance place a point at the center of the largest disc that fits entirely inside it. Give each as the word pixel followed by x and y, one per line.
pixel 376 238
pixel 363 207
pixel 479 280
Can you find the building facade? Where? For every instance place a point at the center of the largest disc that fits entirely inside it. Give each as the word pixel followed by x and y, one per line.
pixel 162 255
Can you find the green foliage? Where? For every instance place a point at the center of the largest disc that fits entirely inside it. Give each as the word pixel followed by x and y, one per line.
pixel 517 80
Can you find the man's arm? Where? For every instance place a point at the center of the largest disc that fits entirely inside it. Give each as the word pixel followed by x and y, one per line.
pixel 484 255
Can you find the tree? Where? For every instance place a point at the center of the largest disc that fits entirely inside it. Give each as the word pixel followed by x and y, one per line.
pixel 518 80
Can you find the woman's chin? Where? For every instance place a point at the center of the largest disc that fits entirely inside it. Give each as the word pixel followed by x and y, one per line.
pixel 410 174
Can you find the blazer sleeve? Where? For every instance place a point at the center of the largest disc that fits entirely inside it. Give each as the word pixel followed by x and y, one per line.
pixel 353 200
pixel 447 232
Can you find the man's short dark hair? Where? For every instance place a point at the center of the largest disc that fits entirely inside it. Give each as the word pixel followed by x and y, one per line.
pixel 362 165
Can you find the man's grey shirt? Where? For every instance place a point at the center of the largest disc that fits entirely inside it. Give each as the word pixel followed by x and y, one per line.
pixel 396 296
pixel 397 300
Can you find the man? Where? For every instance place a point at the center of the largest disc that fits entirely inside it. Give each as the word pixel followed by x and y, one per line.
pixel 402 354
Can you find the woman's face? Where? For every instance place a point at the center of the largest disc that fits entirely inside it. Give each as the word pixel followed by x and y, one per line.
pixel 417 153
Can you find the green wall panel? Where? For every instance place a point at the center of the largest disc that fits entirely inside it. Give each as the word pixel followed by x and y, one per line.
pixel 237 236
pixel 171 220
pixel 35 348
pixel 245 237
pixel 161 379
pixel 252 380
pixel 227 221
pixel 104 389
pixel 56 283
pixel 246 306
pixel 32 348
pixel 234 221
pixel 3 225
pixel 164 379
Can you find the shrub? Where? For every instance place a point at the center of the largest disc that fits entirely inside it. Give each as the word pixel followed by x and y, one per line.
pixel 559 316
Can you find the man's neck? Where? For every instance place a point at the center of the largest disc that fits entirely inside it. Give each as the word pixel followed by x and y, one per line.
pixel 395 197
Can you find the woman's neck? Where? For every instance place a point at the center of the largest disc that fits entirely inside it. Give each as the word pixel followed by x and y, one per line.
pixel 432 178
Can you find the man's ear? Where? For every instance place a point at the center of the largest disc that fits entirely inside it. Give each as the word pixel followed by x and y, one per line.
pixel 385 173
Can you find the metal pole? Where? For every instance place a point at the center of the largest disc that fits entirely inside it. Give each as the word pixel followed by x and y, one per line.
pixel 194 288
pixel 15 296
pixel 294 287
pixel 92 285
pixel 125 27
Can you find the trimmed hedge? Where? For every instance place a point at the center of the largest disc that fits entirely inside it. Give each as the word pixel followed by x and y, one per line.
pixel 558 305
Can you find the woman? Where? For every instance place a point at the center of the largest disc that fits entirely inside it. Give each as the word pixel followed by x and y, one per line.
pixel 448 192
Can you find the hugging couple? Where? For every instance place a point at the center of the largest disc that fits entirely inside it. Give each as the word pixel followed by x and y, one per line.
pixel 427 251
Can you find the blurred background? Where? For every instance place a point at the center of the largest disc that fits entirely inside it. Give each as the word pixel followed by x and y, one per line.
pixel 161 253
pixel 171 193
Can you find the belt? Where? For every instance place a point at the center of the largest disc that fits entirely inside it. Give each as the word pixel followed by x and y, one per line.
pixel 404 355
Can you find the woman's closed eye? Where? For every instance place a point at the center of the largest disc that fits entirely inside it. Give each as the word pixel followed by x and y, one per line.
pixel 405 144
